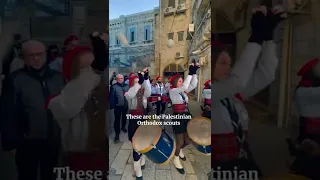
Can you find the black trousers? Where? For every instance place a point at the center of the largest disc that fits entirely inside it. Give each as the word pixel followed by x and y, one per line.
pixel 161 107
pixel 32 154
pixel 307 166
pixel 304 135
pixel 120 112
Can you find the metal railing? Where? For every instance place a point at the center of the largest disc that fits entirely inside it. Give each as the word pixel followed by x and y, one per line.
pixel 198 35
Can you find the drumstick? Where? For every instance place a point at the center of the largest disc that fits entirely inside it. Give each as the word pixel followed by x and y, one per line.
pixel 123 39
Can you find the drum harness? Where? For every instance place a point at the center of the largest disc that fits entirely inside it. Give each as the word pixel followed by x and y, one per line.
pixel 237 127
pixel 184 102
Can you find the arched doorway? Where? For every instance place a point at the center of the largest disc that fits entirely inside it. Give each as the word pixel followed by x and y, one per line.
pixel 173 69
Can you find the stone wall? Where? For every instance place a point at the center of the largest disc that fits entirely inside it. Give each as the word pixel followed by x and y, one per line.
pixel 174 24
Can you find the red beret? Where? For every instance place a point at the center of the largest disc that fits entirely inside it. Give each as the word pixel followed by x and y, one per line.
pixel 69 56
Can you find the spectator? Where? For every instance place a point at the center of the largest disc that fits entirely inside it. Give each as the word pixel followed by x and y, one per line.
pixel 119 104
pixel 15 57
pixel 28 129
pixel 54 59
pixel 80 108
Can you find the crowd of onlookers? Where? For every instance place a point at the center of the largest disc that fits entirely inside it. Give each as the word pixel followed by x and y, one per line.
pixel 119 85
pixel 53 105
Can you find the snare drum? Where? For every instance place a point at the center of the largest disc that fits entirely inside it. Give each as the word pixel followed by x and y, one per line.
pixel 154 143
pixel 199 131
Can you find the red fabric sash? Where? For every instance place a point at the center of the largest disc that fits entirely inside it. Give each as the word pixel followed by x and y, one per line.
pixel 87 161
pixel 312 125
pixel 136 112
pixel 224 147
pixel 207 101
pixel 179 108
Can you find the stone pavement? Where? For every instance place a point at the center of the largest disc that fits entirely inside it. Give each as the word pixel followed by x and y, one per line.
pixel 197 166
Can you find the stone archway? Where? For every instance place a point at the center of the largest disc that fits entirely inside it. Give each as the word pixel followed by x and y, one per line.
pixel 173 69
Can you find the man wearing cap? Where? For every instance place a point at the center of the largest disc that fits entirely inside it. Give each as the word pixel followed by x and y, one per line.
pixel 137 100
pixel 206 95
pixel 307 97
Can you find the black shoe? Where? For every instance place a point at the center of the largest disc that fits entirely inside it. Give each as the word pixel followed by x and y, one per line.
pixel 116 139
pixel 124 130
pixel 181 171
pixel 183 158
pixel 139 178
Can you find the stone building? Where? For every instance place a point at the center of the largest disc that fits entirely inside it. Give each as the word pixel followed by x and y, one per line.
pixel 139 30
pixel 297 38
pixel 173 23
pixel 199 46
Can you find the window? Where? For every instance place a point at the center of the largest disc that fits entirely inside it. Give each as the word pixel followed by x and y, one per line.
pixel 180 36
pixel 182 2
pixel 147 32
pixel 132 34
pixel 172 3
pixel 131 58
pixel 117 40
pixel 170 35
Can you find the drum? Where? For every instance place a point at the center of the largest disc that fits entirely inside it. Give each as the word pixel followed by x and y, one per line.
pixel 152 99
pixel 287 176
pixel 199 131
pixel 154 143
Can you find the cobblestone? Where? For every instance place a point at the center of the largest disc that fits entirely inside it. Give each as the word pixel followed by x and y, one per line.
pixel 196 166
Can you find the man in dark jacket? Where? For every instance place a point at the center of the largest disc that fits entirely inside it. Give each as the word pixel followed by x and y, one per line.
pixel 119 104
pixel 28 129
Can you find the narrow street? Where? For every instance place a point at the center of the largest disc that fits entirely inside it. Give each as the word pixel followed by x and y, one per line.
pixel 267 143
pixel 197 166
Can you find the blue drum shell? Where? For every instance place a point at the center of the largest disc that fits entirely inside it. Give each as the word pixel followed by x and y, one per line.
pixel 205 150
pixel 163 151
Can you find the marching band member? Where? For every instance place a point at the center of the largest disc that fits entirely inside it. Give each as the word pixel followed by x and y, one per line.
pixel 179 99
pixel 307 97
pixel 162 96
pixel 231 85
pixel 80 107
pixel 206 94
pixel 137 100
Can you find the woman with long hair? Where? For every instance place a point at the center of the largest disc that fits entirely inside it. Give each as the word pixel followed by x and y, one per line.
pixel 233 84
pixel 80 109
pixel 179 99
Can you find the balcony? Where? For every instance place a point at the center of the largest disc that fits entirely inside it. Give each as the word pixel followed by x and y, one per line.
pixel 201 24
pixel 53 7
